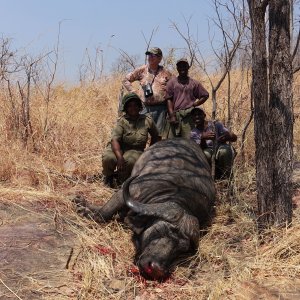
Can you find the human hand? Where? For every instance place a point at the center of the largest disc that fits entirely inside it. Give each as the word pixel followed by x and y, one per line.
pixel 120 163
pixel 208 135
pixel 224 137
pixel 173 119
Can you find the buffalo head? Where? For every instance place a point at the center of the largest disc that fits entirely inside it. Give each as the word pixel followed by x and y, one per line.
pixel 166 233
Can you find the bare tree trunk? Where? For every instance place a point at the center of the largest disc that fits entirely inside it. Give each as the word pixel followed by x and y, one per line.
pixel 281 115
pixel 213 158
pixel 25 115
pixel 259 90
pixel 273 117
pixel 14 110
pixel 228 100
pixel 25 111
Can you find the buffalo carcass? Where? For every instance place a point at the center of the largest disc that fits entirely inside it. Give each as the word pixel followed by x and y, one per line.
pixel 169 195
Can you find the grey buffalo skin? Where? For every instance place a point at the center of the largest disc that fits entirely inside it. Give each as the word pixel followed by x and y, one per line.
pixel 167 199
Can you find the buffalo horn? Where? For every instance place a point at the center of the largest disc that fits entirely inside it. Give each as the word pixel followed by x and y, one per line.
pixel 168 211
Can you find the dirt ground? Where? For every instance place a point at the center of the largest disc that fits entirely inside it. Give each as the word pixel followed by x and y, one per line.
pixel 35 252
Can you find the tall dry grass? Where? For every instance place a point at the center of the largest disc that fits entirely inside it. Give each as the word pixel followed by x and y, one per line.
pixel 233 260
pixel 79 126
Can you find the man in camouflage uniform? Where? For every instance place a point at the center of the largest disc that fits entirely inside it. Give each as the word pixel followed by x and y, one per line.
pixel 153 79
pixel 129 139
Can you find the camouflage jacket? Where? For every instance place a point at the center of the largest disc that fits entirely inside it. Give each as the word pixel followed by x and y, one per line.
pixel 133 134
pixel 158 82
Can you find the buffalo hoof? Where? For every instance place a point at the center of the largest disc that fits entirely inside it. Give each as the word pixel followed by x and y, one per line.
pixel 81 207
pixel 79 200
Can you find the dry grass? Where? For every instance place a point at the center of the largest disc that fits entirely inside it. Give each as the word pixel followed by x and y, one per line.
pixel 233 261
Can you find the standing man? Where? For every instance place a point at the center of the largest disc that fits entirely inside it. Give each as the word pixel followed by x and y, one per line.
pixel 153 80
pixel 183 94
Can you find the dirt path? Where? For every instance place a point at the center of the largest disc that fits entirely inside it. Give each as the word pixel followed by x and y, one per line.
pixel 33 253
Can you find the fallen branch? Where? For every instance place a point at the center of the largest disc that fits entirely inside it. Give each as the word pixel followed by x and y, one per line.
pixel 10 289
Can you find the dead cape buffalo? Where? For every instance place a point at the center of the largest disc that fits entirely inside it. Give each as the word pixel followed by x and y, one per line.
pixel 169 195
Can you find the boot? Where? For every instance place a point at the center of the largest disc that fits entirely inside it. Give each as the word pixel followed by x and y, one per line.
pixel 108 181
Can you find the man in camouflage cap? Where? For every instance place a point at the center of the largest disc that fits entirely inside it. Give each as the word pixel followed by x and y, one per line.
pixel 129 139
pixel 153 79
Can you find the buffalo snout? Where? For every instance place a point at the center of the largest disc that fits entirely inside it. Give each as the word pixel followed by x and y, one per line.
pixel 156 259
pixel 153 270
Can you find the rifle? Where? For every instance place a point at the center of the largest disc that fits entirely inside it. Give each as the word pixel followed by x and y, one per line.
pixel 213 157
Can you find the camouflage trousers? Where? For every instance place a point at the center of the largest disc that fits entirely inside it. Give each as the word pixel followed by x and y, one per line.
pixel 224 160
pixel 158 114
pixel 183 127
pixel 109 163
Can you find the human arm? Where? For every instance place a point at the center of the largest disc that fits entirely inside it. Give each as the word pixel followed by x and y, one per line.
pixel 208 135
pixel 154 134
pixel 170 105
pixel 117 137
pixel 116 148
pixel 224 135
pixel 200 137
pixel 200 101
pixel 201 94
pixel 135 75
pixel 128 85
pixel 171 113
pixel 227 137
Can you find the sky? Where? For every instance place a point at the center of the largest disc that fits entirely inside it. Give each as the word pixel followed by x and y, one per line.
pixel 111 25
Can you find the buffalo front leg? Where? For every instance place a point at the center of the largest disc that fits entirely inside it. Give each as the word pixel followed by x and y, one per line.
pixel 97 213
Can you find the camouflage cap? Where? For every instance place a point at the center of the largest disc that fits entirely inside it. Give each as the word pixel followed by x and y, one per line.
pixel 182 60
pixel 155 51
pixel 128 97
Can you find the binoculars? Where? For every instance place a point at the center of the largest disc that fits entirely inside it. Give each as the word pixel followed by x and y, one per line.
pixel 148 92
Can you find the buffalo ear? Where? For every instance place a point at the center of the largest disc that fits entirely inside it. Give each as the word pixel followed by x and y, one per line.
pixel 189 226
pixel 137 223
